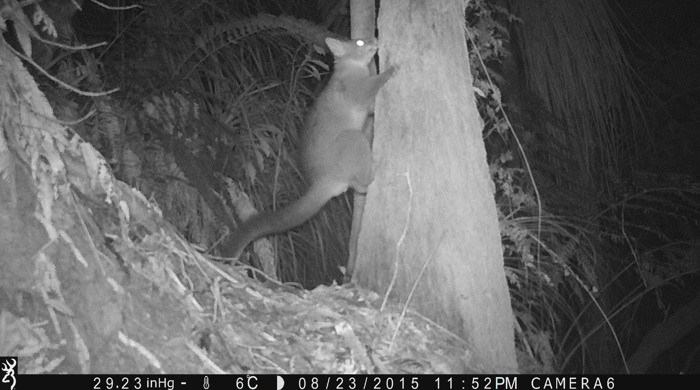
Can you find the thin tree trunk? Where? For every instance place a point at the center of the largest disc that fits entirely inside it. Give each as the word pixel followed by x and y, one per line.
pixel 431 203
pixel 362 25
pixel 362 19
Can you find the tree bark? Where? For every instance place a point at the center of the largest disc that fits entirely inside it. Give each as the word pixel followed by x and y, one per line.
pixel 432 201
pixel 362 25
pixel 362 19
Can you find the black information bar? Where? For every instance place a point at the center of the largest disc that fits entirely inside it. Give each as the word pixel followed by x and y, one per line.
pixel 352 382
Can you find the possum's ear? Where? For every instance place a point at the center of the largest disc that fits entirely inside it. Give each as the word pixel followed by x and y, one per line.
pixel 337 47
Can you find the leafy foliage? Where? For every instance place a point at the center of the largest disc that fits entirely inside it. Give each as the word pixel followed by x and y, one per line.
pixel 583 246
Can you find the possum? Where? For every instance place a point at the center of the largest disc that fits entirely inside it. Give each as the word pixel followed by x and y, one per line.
pixel 335 152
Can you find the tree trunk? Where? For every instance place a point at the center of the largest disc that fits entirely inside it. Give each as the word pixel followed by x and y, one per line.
pixel 432 198
pixel 362 19
pixel 362 25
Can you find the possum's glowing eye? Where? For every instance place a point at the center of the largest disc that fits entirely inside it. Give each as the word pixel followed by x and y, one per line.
pixel 360 42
